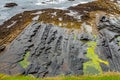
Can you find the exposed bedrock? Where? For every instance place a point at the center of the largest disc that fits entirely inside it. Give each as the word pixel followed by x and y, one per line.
pixel 52 50
pixel 109 43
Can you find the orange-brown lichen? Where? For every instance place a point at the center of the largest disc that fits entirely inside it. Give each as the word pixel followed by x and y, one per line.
pixel 67 21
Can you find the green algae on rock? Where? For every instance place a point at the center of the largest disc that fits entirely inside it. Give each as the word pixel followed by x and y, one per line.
pixel 24 63
pixel 93 65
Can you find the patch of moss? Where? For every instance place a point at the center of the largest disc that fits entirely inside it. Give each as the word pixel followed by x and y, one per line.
pixel 119 43
pixel 93 65
pixel 118 38
pixel 24 63
pixel 75 37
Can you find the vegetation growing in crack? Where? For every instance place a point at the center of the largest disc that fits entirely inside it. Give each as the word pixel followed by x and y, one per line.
pixel 118 38
pixel 75 37
pixel 93 65
pixel 24 63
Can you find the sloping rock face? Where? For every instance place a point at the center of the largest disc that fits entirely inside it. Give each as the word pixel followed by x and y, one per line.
pixel 54 50
pixel 82 45
pixel 109 42
pixel 73 17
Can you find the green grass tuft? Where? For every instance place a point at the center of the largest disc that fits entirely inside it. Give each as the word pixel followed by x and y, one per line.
pixel 105 76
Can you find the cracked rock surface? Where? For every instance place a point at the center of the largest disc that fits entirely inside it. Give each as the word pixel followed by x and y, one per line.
pixel 109 47
pixel 53 51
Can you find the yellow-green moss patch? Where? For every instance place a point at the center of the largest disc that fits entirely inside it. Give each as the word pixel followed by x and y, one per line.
pixel 93 65
pixel 24 63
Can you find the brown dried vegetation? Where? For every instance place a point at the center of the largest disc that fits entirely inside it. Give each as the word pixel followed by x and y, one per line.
pixel 87 11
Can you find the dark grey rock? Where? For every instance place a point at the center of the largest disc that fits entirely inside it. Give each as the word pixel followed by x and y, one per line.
pixel 54 52
pixel 10 4
pixel 71 0
pixel 86 37
pixel 2 48
pixel 108 45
